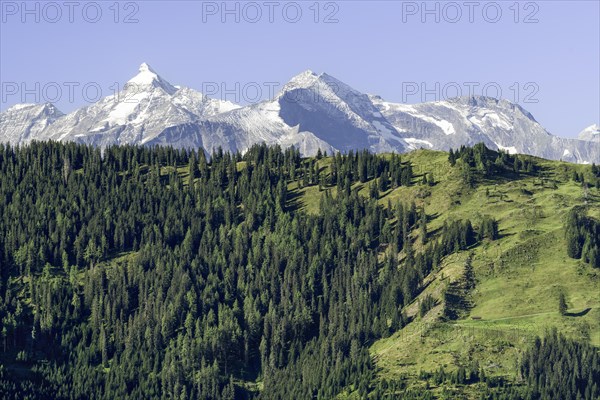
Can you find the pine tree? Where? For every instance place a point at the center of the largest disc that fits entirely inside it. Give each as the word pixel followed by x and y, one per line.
pixel 103 346
pixel 430 179
pixel 562 303
pixel 66 171
pixel 466 174
pixel 193 171
pixel 383 181
pixel 451 157
pixel 373 191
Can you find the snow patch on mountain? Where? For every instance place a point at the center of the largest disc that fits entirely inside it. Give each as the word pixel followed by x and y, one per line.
pixel 418 143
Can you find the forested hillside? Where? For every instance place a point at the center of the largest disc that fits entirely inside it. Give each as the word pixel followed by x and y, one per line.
pixel 141 273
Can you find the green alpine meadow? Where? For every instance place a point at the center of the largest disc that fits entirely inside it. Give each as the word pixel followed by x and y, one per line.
pixel 134 272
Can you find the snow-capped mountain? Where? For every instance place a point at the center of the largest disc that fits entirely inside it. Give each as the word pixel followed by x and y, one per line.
pixel 307 113
pixel 499 124
pixel 146 108
pixel 337 114
pixel 311 112
pixel 591 133
pixel 24 122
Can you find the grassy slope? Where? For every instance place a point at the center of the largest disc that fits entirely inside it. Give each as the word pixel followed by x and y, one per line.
pixel 519 276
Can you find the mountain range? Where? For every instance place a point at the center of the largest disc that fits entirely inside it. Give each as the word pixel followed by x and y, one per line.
pixel 311 112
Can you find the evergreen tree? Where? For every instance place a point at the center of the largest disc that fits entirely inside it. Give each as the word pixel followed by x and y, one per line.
pixel 562 303
pixel 451 157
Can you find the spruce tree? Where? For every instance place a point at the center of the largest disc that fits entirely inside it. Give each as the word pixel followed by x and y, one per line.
pixel 562 303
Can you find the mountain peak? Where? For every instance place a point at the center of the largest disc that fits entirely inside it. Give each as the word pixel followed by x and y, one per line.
pixel 592 132
pixel 303 79
pixel 146 68
pixel 147 77
pixel 309 77
pixel 323 84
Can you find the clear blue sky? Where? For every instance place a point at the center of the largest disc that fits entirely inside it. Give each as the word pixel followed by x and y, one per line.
pixel 377 47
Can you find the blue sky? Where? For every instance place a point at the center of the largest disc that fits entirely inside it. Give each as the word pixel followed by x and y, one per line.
pixel 544 55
